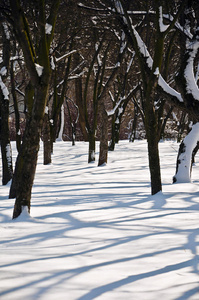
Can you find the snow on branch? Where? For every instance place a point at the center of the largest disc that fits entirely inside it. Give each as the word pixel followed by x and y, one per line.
pixel 162 83
pixel 52 63
pixel 112 111
pixel 65 55
pixel 48 28
pixel 122 99
pixel 145 53
pixel 3 71
pixel 6 30
pixel 91 8
pixel 76 75
pixel 169 90
pixel 123 42
pixel 99 61
pixel 185 29
pixel 111 96
pixel 39 69
pixel 4 90
pixel 163 27
pixel 130 63
pixel 191 84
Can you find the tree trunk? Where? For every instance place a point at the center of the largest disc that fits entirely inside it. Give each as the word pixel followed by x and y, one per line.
pixel 61 124
pixel 27 158
pixel 103 155
pixel 111 146
pixel 184 159
pixel 46 140
pixel 73 127
pixel 91 150
pixel 134 125
pixel 17 116
pixel 7 170
pixel 79 101
pixel 26 166
pixel 38 67
pixel 195 150
pixel 153 152
pixel 116 122
pixel 154 165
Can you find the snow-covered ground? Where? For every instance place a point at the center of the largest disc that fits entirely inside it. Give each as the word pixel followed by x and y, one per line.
pixel 96 233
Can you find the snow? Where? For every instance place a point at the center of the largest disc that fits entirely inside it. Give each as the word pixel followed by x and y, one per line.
pixel 4 89
pixel 48 28
pixel 168 89
pixel 6 30
pixel 59 138
pixel 123 43
pixel 190 142
pixel 46 110
pixel 9 154
pixel 39 69
pixel 162 83
pixel 157 72
pixel 96 233
pixel 3 71
pixel 65 55
pixel 130 63
pixel 52 63
pixel 112 111
pixel 163 27
pixel 192 86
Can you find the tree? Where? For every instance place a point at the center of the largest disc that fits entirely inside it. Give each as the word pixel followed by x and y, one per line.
pixel 36 56
pixel 4 107
pixel 187 82
pixel 150 69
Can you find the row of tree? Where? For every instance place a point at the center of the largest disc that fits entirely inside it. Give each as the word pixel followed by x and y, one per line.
pixel 97 58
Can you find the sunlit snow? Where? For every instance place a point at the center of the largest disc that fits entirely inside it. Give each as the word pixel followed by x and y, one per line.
pixel 4 89
pixel 96 233
pixel 48 28
pixel 39 69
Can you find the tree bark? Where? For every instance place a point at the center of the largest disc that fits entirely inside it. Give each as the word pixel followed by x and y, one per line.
pixel 103 154
pixel 91 149
pixel 46 140
pixel 39 78
pixel 7 170
pixel 153 151
pixel 26 166
pixel 79 101
pixel 17 116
